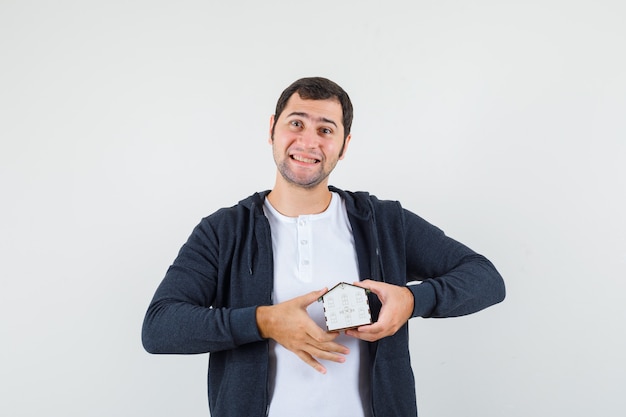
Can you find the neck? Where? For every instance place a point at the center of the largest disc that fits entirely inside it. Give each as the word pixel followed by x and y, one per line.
pixel 293 201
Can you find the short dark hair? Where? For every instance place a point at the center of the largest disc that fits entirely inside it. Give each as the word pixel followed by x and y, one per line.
pixel 318 88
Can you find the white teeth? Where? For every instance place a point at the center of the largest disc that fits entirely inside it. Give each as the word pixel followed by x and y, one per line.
pixel 302 159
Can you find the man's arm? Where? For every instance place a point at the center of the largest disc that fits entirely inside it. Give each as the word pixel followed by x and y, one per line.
pixel 455 280
pixel 178 322
pixel 184 315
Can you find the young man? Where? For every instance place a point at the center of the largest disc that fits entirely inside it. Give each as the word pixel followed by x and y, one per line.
pixel 244 287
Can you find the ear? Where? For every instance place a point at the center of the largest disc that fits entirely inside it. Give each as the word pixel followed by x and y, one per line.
pixel 345 146
pixel 269 137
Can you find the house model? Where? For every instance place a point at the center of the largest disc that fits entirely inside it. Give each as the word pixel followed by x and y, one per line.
pixel 346 306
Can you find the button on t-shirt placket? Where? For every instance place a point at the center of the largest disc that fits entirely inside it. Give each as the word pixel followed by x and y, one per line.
pixel 305 261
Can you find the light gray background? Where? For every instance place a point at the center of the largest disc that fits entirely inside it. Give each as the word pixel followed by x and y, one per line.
pixel 123 123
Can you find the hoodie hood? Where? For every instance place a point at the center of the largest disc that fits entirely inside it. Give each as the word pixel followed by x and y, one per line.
pixel 361 212
pixel 358 203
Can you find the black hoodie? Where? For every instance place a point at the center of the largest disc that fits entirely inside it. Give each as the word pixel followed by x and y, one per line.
pixel 207 301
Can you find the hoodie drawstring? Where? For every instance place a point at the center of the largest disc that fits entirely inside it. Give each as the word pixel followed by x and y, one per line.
pixel 249 242
pixel 378 264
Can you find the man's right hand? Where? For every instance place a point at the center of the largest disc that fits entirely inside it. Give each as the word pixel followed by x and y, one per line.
pixel 290 326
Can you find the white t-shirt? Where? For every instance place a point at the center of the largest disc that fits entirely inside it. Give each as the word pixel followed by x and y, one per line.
pixel 312 252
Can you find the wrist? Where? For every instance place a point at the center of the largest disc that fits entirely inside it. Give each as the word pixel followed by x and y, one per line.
pixel 263 321
pixel 410 302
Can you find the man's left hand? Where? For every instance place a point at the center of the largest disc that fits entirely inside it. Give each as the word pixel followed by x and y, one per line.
pixel 397 308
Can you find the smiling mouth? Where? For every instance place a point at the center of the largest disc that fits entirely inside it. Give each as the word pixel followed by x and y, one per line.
pixel 303 159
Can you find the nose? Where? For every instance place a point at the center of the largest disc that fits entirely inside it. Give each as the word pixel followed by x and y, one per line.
pixel 308 138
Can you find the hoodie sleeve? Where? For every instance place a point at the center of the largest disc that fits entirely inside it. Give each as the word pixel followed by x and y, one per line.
pixel 455 280
pixel 185 315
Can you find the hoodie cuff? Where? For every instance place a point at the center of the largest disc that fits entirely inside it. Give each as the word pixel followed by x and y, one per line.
pixel 425 299
pixel 243 325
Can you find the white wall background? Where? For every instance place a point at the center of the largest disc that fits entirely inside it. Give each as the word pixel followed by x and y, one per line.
pixel 122 123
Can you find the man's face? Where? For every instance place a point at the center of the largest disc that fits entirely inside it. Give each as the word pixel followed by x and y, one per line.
pixel 307 140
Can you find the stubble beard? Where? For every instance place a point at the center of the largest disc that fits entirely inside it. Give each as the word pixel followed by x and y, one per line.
pixel 308 181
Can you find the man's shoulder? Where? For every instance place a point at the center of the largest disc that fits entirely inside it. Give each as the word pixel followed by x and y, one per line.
pixel 240 210
pixel 364 201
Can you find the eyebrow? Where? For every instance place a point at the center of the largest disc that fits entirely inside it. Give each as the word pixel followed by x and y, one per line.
pixel 307 116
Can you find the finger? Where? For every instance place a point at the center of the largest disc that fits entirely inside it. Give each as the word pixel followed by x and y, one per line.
pixel 374 286
pixel 371 332
pixel 324 341
pixel 309 360
pixel 326 354
pixel 331 348
pixel 311 353
pixel 308 299
pixel 364 284
pixel 374 328
pixel 363 335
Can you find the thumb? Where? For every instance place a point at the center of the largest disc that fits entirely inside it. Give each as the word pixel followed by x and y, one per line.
pixel 313 296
